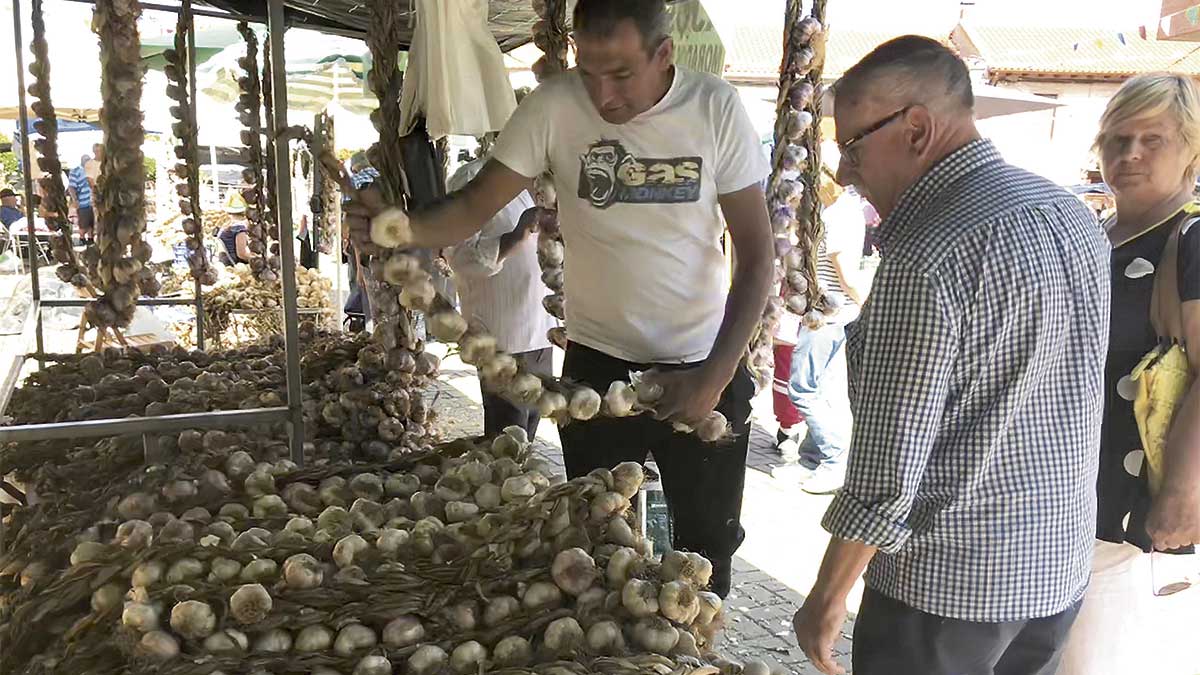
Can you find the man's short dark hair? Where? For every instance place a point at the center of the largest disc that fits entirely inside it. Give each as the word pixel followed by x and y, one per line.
pixel 7 193
pixel 914 62
pixel 600 18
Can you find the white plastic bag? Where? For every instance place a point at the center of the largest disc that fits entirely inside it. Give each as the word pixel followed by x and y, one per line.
pixel 456 76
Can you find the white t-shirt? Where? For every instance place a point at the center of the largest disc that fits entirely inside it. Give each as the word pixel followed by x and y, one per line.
pixel 644 271
pixel 503 296
pixel 845 229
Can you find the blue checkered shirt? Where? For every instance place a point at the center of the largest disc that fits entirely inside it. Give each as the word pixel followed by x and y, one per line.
pixel 976 376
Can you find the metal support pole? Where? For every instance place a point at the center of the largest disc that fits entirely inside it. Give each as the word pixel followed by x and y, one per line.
pixel 218 419
pixel 191 62
pixel 283 216
pixel 30 211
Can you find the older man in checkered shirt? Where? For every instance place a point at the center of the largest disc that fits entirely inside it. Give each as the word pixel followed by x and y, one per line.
pixel 976 372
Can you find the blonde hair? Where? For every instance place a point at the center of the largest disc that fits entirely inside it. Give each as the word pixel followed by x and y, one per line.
pixel 1155 94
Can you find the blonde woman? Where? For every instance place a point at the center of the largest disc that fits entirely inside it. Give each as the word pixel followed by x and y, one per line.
pixel 1133 620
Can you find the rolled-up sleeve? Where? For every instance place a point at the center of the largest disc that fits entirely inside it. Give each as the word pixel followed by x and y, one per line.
pixel 907 343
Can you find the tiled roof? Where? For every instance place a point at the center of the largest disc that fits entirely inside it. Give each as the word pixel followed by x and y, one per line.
pixel 1079 51
pixel 754 51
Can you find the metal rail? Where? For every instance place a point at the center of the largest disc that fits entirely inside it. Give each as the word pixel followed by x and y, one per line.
pixel 293 413
pixel 221 419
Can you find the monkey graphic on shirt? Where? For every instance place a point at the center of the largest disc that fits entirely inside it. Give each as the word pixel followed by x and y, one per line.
pixel 609 174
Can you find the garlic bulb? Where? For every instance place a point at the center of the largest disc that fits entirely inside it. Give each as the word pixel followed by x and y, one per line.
pixel 193 619
pixel 678 602
pixel 489 497
pixel 274 641
pixel 513 651
pixel 140 617
pixel 228 641
pixel 469 657
pixel 628 478
pixel 88 551
pixel 184 569
pixel 713 428
pixel 447 325
pixel 525 389
pixel 623 564
pixel 563 635
pixel 574 571
pixel 373 665
pixel 107 598
pixel 134 534
pixel 403 631
pixel 390 541
pixel 463 616
pixel 348 548
pixel 620 399
pixel 686 646
pixel 639 597
pixel 756 668
pixel 250 604
pixel 710 607
pixel 427 660
pixel 159 645
pixel 258 571
pixel 353 638
pixel 223 569
pixel 148 573
pixel 302 571
pixel 457 512
pixel 517 488
pixel 654 634
pixel 475 348
pixel 498 372
pixel 316 638
pixel 552 405
pixel 585 404
pixel 604 637
pixel 541 595
pixel 702 569
pixel 270 506
pixel 499 609
pixel 607 505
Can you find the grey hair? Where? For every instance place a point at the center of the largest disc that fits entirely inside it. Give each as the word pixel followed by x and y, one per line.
pixel 599 18
pixel 359 161
pixel 919 69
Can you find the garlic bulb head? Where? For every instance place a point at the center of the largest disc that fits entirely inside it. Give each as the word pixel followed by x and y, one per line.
pixel 607 505
pixel 573 570
pixel 468 657
pixel 193 619
pixel 563 635
pixel 250 604
pixel 403 631
pixel 604 637
pixel 585 404
pixel 302 571
pixel 640 597
pixel 628 478
pixel 228 641
pixel 678 602
pixel 274 641
pixel 373 665
pixel 499 609
pixel 517 488
pixel 316 638
pixel 427 660
pixel 140 616
pixel 541 595
pixel 513 651
pixel 354 638
pixel 655 634
pixel 159 645
pixel 348 548
pixel 623 565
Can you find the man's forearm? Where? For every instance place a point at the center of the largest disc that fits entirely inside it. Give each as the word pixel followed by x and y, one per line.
pixel 448 222
pixel 844 562
pixel 743 309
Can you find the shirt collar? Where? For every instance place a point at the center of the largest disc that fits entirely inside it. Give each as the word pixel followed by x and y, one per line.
pixel 945 173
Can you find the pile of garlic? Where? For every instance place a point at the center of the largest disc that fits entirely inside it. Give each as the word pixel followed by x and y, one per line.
pixel 187 169
pixel 120 254
pixel 54 196
pixel 249 107
pixel 472 558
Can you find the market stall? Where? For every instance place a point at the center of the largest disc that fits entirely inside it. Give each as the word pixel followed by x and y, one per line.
pixel 283 506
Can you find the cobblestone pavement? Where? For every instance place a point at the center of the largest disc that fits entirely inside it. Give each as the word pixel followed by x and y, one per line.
pixel 777 562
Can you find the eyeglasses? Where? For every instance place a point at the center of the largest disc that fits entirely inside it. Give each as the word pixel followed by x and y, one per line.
pixel 846 148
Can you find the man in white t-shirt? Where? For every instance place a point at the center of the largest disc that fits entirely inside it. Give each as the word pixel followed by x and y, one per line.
pixel 500 286
pixel 646 157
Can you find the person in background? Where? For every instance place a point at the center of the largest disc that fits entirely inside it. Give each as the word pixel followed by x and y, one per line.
pixel 791 422
pixel 1149 141
pixel 976 376
pixel 81 190
pixel 647 156
pixel 10 209
pixel 234 237
pixel 91 168
pixel 817 379
pixel 357 307
pixel 501 290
